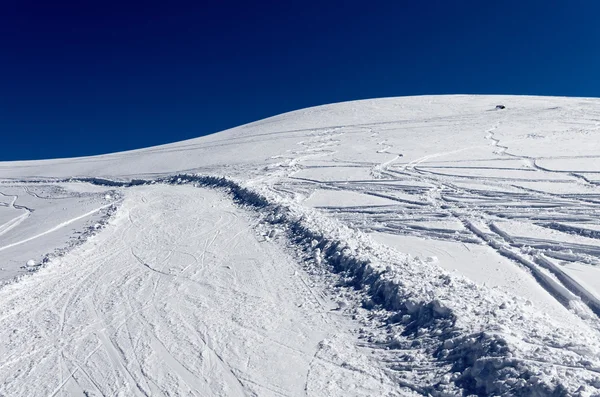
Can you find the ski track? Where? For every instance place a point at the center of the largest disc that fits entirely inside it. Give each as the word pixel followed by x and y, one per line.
pixel 441 196
pixel 55 228
pixel 13 223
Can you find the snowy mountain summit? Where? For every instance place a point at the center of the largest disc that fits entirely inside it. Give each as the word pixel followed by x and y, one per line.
pixel 433 245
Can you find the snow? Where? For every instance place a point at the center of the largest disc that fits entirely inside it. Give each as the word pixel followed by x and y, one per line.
pixel 142 293
pixel 40 219
pixel 482 265
pixel 323 198
pixel 401 246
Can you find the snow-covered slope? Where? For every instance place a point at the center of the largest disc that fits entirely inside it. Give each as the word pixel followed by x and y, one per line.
pixel 417 245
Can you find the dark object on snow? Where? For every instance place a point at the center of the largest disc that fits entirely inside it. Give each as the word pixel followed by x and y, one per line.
pixel 498 107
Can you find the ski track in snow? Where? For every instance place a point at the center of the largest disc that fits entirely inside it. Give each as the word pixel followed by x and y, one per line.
pixel 55 228
pixel 16 221
pixel 178 295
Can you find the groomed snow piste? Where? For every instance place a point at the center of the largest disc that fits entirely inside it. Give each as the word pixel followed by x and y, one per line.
pixel 428 245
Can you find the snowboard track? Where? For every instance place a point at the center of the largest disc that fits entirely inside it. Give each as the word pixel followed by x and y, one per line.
pixel 464 362
pixel 107 212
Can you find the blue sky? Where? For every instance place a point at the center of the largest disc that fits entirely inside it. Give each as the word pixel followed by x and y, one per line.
pixel 90 77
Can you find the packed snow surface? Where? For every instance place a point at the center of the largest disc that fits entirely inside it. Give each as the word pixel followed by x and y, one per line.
pixel 197 306
pixel 431 245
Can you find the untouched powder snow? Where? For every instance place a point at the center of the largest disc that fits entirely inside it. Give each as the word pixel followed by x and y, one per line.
pixel 427 245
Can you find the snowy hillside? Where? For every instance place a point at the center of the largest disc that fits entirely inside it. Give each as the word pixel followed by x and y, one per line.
pixel 427 245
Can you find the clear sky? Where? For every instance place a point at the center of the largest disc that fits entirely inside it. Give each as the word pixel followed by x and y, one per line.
pixel 91 77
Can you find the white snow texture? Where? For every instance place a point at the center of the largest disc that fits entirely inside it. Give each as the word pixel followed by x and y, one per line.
pixel 433 245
